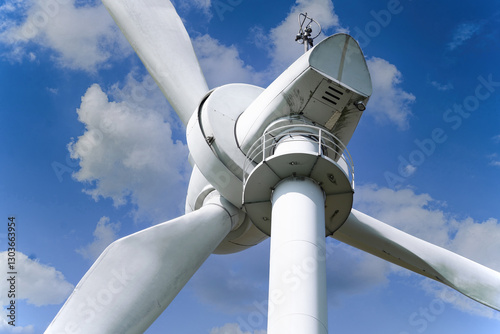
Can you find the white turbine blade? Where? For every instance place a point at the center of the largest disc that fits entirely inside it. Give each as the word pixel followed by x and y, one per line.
pixel 160 39
pixel 136 277
pixel 468 277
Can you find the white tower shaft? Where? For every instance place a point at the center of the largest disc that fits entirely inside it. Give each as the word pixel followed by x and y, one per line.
pixel 297 282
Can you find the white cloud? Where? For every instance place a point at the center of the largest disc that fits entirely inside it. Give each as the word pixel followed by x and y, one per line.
pixel 128 153
pixel 37 283
pixel 463 33
pixel 417 214
pixel 233 328
pixel 458 300
pixel 478 241
pixel 222 64
pixel 388 101
pixel 6 328
pixel 104 234
pixel 80 37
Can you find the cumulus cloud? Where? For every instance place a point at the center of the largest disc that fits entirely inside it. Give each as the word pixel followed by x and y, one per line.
pixel 128 152
pixel 417 214
pixel 478 241
pixel 104 234
pixel 462 34
pixel 222 64
pixel 37 283
pixel 389 101
pixel 81 37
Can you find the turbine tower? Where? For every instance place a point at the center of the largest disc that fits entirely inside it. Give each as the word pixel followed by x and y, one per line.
pixel 266 162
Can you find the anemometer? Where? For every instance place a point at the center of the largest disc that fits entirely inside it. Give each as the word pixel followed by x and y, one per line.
pixel 304 35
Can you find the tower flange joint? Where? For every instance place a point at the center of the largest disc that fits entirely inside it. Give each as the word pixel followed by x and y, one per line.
pixel 298 151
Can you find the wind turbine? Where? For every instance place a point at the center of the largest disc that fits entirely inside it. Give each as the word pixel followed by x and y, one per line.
pixel 266 162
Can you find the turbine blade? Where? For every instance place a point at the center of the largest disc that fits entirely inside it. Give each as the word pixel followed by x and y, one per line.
pixel 136 277
pixel 468 277
pixel 160 39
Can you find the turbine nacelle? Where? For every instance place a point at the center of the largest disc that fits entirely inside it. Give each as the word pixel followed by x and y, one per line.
pixel 324 86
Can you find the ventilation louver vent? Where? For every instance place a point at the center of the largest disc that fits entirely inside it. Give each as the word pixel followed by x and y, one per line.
pixel 332 95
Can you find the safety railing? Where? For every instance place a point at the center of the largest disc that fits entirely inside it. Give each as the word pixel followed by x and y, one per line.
pixel 327 146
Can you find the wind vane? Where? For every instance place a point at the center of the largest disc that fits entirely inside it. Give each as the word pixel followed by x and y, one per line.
pixel 305 31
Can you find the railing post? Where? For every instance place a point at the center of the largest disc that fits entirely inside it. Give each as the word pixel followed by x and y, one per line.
pixel 263 145
pixel 320 140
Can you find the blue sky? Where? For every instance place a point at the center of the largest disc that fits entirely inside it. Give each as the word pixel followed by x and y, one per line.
pixel 91 151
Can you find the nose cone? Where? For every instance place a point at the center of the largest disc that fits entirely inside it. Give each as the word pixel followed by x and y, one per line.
pixel 340 57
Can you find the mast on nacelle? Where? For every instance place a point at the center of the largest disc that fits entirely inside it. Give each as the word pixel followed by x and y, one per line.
pixel 305 31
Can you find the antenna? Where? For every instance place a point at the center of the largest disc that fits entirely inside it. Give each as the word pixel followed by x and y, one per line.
pixel 305 31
